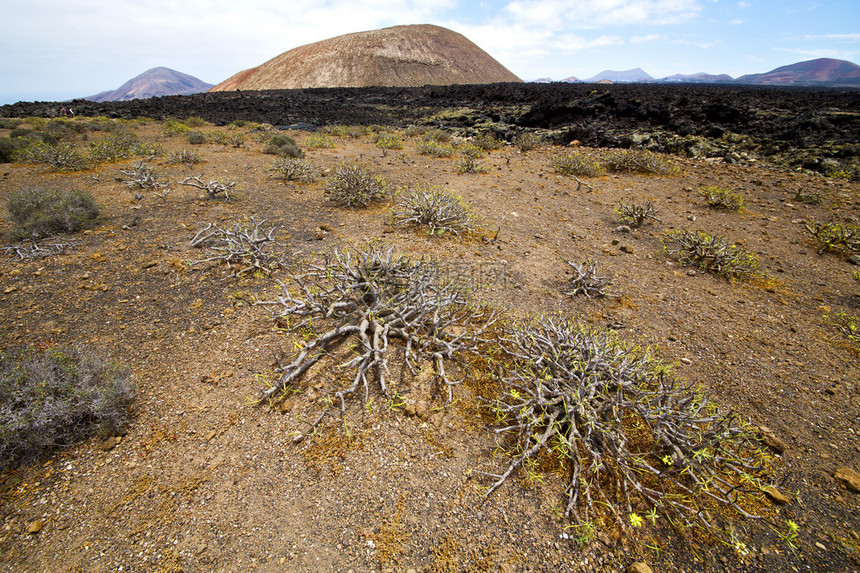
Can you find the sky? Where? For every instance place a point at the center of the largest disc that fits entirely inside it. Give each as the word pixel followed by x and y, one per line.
pixel 52 50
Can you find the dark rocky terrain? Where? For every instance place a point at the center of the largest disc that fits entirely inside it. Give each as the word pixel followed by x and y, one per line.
pixel 812 128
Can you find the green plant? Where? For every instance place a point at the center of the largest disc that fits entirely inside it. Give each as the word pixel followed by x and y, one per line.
pixel 835 237
pixel 58 397
pixel 185 156
pixel 810 197
pixel 847 324
pixel 576 164
pixel 113 148
pixel 354 185
pixel 8 123
pixel 386 141
pixel 711 253
pixel 8 148
pixel 528 141
pixel 222 137
pixel 434 148
pixel 720 198
pixel 195 138
pixel 636 215
pixel 354 131
pixel 319 141
pixel 487 142
pixel 638 161
pixel 283 145
pixel 586 281
pixel 293 169
pixel 435 207
pixel 61 157
pixel 194 121
pixel 40 212
pixel 625 431
pixel 173 127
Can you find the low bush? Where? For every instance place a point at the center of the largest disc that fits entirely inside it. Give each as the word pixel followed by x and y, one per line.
pixel 577 164
pixel 586 281
pixel 435 149
pixel 60 157
pixel 528 141
pixel 386 141
pixel 7 123
pixel 623 431
pixel 195 121
pixel 638 161
pixel 142 176
pixel 283 145
pixel 173 127
pixel 354 185
pixel 58 397
pixel 636 215
pixel 185 156
pixel 711 254
pixel 319 141
pixel 487 142
pixel 293 169
pixel 114 147
pixel 835 237
pixel 195 138
pixel 40 212
pixel 720 198
pixel 8 148
pixel 436 208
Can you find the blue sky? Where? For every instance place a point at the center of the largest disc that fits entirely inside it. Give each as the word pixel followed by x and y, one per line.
pixel 55 50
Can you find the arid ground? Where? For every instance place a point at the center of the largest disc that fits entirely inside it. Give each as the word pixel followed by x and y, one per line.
pixel 207 479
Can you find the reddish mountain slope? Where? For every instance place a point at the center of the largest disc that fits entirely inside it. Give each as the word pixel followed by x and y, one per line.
pixel 823 71
pixel 154 83
pixel 399 56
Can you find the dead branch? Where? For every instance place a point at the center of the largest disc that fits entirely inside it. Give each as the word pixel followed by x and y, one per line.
pixel 212 187
pixel 248 246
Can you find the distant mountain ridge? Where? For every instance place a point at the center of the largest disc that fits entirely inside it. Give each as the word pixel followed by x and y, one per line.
pixel 156 82
pixel 824 72
pixel 399 56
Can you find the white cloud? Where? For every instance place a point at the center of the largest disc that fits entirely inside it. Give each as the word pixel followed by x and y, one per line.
pixel 737 22
pixel 823 53
pixel 646 38
pixel 837 37
pixel 585 14
pixel 744 5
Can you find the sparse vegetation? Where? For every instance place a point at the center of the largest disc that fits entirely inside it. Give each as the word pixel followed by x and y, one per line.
pixel 386 141
pixel 577 164
pixel 60 157
pixel 487 142
pixel 711 254
pixel 636 214
pixel 436 208
pixel 434 148
pixel 248 248
pixel 183 156
pixel 808 196
pixel 624 429
pixel 586 281
pixel 721 198
pixel 355 185
pixel 367 307
pixel 319 141
pixel 283 145
pixel 40 212
pixel 142 176
pixel 835 237
pixel 213 187
pixel 195 138
pixel 638 161
pixel 58 397
pixel 293 169
pixel 527 141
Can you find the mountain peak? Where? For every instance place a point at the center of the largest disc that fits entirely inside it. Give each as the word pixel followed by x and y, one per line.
pixel 400 56
pixel 156 82
pixel 634 75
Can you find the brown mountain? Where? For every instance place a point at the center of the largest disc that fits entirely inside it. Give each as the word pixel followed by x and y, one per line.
pixel 400 56
pixel 822 71
pixel 154 83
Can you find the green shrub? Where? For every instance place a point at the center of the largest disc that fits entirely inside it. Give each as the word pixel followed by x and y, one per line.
pixel 173 127
pixel 720 198
pixel 58 397
pixel 835 237
pixel 711 254
pixel 528 140
pixel 293 169
pixel 222 137
pixel 636 215
pixel 354 131
pixel 386 141
pixel 196 138
pixel 8 123
pixel 39 212
pixel 185 156
pixel 810 197
pixel 113 148
pixel 20 132
pixel 319 141
pixel 354 185
pixel 471 164
pixel 577 165
pixel 195 121
pixel 487 142
pixel 283 145
pixel 61 157
pixel 435 149
pixel 8 147
pixel 435 207
pixel 638 161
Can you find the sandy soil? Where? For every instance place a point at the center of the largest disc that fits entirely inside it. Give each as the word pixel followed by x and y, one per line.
pixel 207 480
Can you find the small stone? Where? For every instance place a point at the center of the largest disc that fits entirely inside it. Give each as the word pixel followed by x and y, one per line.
pixel 849 478
pixel 686 361
pixel 623 229
pixel 820 546
pixel 627 249
pixel 422 409
pixel 108 444
pixel 35 527
pixel 855 260
pixel 639 567
pixel 409 409
pixel 691 273
pixel 604 538
pixel 211 434
pixel 771 440
pixel 776 496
